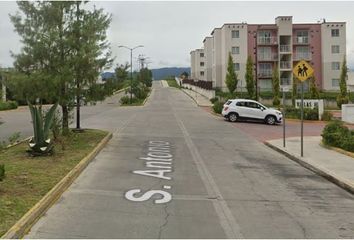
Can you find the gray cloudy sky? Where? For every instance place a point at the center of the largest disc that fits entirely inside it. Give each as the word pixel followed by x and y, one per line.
pixel 170 30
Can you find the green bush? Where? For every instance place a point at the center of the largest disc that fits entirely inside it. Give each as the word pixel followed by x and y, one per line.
pixel 309 114
pixel 2 172
pixel 218 106
pixel 8 105
pixel 335 133
pixel 327 116
pixel 342 100
pixel 214 99
pixel 124 100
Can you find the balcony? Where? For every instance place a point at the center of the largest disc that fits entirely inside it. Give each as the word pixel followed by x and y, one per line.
pixel 302 56
pixel 267 57
pixel 267 40
pixel 285 65
pixel 265 73
pixel 285 49
pixel 301 40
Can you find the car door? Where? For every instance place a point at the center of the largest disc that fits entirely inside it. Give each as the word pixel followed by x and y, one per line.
pixel 254 110
pixel 241 108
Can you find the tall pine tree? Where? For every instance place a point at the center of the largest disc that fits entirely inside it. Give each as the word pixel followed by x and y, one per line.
pixel 231 76
pixel 250 78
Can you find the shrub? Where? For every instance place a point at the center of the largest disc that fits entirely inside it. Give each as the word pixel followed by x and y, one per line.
pixel 309 114
pixel 2 172
pixel 334 132
pixel 327 116
pixel 8 105
pixel 342 100
pixel 214 99
pixel 125 100
pixel 218 106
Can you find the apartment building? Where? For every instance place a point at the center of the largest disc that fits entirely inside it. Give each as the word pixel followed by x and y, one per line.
pixel 198 64
pixel 280 45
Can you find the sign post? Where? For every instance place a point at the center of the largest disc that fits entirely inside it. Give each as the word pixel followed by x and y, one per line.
pixel 284 89
pixel 302 71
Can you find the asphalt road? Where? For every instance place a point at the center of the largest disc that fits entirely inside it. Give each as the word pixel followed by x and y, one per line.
pixel 173 170
pixel 19 120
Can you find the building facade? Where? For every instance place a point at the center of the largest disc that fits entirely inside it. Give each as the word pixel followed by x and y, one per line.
pixel 277 46
pixel 198 64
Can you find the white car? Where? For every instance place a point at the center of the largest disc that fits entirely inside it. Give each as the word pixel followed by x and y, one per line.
pixel 235 109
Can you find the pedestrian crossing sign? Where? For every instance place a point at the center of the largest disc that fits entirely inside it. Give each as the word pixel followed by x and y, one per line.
pixel 303 70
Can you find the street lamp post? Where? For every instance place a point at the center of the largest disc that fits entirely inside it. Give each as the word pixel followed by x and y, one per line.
pixel 131 66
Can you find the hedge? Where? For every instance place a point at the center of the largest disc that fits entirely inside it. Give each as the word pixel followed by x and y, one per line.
pixel 8 105
pixel 335 134
pixel 309 114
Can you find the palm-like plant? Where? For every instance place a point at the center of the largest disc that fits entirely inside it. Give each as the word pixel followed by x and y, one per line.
pixel 40 143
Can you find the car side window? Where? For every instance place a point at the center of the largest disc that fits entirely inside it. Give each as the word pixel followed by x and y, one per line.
pixel 240 104
pixel 252 105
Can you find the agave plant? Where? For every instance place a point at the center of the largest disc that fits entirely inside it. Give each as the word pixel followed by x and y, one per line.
pixel 40 143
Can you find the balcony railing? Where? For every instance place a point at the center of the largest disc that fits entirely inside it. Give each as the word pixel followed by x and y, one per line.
pixel 285 48
pixel 285 65
pixel 301 40
pixel 267 57
pixel 265 73
pixel 302 56
pixel 267 40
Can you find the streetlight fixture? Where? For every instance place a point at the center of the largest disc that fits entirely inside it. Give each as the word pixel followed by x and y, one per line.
pixel 131 66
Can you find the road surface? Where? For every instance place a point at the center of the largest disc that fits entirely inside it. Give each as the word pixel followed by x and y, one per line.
pixel 173 170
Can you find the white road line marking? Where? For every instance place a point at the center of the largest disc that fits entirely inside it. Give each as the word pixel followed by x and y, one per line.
pixel 167 187
pixel 227 220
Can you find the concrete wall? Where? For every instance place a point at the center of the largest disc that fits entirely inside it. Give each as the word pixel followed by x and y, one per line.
pixel 327 56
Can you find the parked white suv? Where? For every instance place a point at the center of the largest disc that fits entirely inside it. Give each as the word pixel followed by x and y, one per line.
pixel 235 109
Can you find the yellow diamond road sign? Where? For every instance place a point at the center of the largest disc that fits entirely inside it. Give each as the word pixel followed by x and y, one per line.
pixel 303 70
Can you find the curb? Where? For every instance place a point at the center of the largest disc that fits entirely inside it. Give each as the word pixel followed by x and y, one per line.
pixel 147 97
pixel 119 91
pixel 339 150
pixel 332 177
pixel 32 216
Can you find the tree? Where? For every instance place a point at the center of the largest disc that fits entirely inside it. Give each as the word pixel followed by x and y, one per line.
pixel 276 86
pixel 294 91
pixel 122 72
pixel 313 89
pixel 231 76
pixel 64 48
pixel 92 54
pixel 145 76
pixel 343 98
pixel 184 75
pixel 250 78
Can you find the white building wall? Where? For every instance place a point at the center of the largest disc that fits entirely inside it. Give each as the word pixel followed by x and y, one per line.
pixel 327 40
pixel 227 43
pixel 208 50
pixel 216 58
pixel 199 69
pixel 193 69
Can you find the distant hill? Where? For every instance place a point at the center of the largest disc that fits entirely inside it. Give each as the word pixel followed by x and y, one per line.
pixel 107 75
pixel 162 73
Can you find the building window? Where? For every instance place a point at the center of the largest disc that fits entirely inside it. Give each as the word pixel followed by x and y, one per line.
pixel 302 36
pixel 335 65
pixel 201 55
pixel 235 50
pixel 335 48
pixel 237 66
pixel 202 64
pixel 235 33
pixel 265 70
pixel 335 32
pixel 201 73
pixel 335 82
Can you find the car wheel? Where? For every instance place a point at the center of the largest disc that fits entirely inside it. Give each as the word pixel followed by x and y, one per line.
pixel 270 120
pixel 233 117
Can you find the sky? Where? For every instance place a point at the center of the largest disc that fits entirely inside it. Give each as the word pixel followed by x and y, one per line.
pixel 169 30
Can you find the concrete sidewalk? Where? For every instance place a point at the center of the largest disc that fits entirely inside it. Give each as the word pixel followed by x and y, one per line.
pixel 335 166
pixel 198 98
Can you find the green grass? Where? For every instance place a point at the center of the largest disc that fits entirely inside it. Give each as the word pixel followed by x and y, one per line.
pixel 172 83
pixel 136 102
pixel 28 179
pixel 8 105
